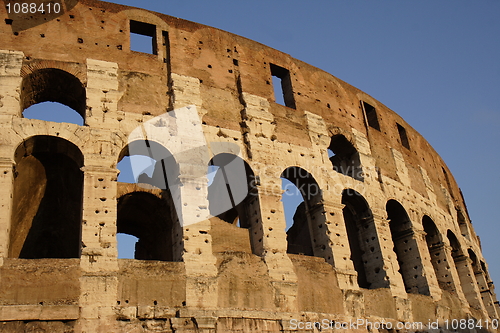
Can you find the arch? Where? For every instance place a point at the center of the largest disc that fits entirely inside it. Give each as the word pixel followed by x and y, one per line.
pixel 363 239
pixel 463 266
pixel 437 254
pixel 53 85
pixel 147 210
pixel 233 198
pixel 308 235
pixel 462 223
pixel 165 171
pixel 47 200
pixel 406 249
pixel 148 218
pixel 456 249
pixel 488 296
pixel 344 157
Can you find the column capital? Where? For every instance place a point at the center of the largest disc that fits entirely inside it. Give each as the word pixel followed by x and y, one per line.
pixel 6 162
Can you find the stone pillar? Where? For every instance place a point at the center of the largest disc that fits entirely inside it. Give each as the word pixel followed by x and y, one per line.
pixel 486 295
pixel 391 265
pixel 428 275
pixel 470 289
pixel 440 255
pixel 192 208
pixel 280 267
pixel 339 243
pixel 10 88
pixel 6 193
pixel 102 94
pixel 410 245
pixel 190 151
pixel 10 82
pixel 98 283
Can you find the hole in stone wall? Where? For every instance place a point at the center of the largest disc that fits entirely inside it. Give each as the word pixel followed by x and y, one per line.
pixel 132 168
pixel 47 199
pixel 148 218
pixel 371 115
pixel 291 199
pixel 126 245
pixel 148 211
pixel 305 236
pixel 436 250
pixel 403 136
pixel 282 84
pixel 403 239
pixel 143 37
pixel 465 273
pixel 47 85
pixel 232 196
pixel 53 111
pixel 344 157
pixel 360 226
pixel 462 223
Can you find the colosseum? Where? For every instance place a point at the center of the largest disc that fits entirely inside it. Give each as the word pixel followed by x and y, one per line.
pixel 382 241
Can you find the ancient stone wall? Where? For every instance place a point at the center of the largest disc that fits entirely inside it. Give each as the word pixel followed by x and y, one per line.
pixel 383 233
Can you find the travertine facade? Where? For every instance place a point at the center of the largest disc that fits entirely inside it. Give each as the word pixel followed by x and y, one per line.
pixel 383 233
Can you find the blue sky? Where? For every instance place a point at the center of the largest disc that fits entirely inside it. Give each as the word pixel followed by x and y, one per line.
pixel 436 63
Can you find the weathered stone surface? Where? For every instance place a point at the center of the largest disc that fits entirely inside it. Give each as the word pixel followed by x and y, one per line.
pixel 382 235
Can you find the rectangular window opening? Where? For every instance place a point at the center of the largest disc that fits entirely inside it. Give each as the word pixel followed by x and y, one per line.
pixel 143 37
pixel 282 84
pixel 371 116
pixel 402 135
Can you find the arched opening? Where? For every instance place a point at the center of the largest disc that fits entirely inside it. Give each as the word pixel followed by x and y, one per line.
pixel 478 272
pixel 406 249
pixel 307 235
pixel 438 255
pixel 147 222
pixel 487 294
pixel 234 200
pixel 47 200
pixel 53 111
pixel 147 217
pixel 363 240
pixel 291 199
pixel 464 271
pixel 63 89
pixel 344 157
pixel 126 245
pixel 462 223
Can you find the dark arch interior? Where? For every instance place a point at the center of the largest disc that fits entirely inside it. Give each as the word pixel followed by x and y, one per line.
pixel 456 251
pixel 233 198
pixel 47 201
pixel 149 213
pixel 166 170
pixel 345 158
pixel 363 240
pixel 302 237
pixel 232 189
pixel 432 237
pixel 148 218
pixel 53 85
pixel 437 254
pixel 406 249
